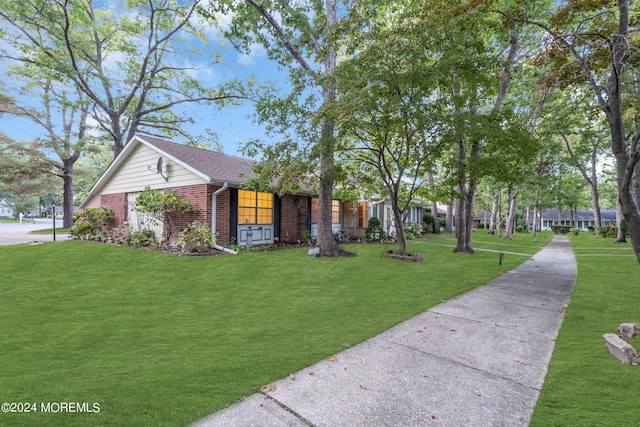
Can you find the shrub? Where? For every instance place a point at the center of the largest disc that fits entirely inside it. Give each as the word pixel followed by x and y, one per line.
pixel 305 237
pixel 607 231
pixel 196 238
pixel 166 207
pixel 142 239
pixel 561 229
pixel 374 229
pixel 413 230
pixel 575 231
pixel 87 224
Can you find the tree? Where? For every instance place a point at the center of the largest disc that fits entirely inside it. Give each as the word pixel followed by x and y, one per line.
pixel 64 136
pixel 384 110
pixel 124 59
pixel 593 42
pixel 298 36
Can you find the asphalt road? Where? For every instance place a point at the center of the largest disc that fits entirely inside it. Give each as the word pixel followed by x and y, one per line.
pixel 11 234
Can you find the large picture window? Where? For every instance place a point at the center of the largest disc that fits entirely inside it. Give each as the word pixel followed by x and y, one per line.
pixel 255 207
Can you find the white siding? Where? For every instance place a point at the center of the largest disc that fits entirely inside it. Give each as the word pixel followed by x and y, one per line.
pixel 139 171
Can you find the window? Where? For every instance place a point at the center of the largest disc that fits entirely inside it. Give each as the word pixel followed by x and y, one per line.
pixel 335 211
pixel 362 214
pixel 255 207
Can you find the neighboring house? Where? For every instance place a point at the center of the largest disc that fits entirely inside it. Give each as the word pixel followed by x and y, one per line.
pixel 60 211
pixel 355 217
pixel 210 181
pixel 578 219
pixel 6 209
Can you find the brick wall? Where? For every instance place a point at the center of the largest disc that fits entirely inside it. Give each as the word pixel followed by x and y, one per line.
pixel 291 216
pixel 223 214
pixel 200 197
pixel 118 204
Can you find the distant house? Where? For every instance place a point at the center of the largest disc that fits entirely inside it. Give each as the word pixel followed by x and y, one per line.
pixel 6 209
pixel 59 210
pixel 578 219
pixel 210 181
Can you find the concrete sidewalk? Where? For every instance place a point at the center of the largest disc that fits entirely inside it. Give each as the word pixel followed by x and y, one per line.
pixel 479 359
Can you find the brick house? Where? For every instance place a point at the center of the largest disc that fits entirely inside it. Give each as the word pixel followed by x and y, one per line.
pixel 210 181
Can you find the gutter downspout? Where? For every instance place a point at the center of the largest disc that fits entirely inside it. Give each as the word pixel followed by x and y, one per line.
pixel 214 212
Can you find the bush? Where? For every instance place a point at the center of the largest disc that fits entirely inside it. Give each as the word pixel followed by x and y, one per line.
pixel 374 229
pixel 575 231
pixel 561 229
pixel 141 239
pixel 305 237
pixel 196 238
pixel 607 231
pixel 88 224
pixel 413 230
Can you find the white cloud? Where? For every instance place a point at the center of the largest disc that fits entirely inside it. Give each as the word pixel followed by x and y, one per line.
pixel 256 51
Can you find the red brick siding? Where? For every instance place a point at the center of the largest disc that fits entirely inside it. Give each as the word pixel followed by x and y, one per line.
pixel 200 197
pixel 118 204
pixel 197 196
pixel 223 214
pixel 291 216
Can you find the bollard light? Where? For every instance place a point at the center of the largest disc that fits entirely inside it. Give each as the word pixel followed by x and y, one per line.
pixel 501 256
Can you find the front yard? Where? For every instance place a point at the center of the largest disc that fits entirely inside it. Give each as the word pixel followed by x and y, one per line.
pixel 158 340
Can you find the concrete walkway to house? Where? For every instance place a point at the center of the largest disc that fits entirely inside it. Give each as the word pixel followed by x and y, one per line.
pixel 479 359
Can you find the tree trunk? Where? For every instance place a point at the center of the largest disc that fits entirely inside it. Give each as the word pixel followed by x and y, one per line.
pixel 621 238
pixel 399 226
pixel 536 213
pixel 448 221
pixel 462 244
pixel 67 193
pixel 494 212
pixel 326 242
pixel 511 213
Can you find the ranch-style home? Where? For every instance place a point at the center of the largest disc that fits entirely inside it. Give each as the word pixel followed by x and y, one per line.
pixel 210 181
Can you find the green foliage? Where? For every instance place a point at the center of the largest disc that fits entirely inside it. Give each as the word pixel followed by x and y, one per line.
pixel 165 207
pixel 413 230
pixel 87 224
pixel 140 239
pixel 197 237
pixel 561 229
pixel 607 231
pixel 305 237
pixel 575 231
pixel 374 229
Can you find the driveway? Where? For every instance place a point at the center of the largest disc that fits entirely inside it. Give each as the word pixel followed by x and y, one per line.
pixel 19 233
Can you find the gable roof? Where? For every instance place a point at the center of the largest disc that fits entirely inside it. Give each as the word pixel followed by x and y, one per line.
pixel 209 165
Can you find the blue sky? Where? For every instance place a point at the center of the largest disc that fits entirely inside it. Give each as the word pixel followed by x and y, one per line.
pixel 233 124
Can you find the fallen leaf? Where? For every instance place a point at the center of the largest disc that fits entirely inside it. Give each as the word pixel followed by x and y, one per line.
pixel 364 387
pixel 521 362
pixel 419 330
pixel 310 372
pixel 332 359
pixel 269 388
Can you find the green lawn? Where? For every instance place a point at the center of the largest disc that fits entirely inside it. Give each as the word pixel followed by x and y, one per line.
pixel 163 340
pixel 585 385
